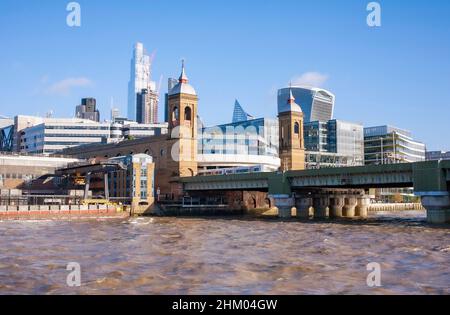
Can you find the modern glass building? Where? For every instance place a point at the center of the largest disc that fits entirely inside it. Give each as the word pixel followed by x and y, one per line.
pixel 389 145
pixel 437 155
pixel 140 78
pixel 171 82
pixel 317 104
pixel 245 143
pixel 88 109
pixel 334 143
pixel 6 134
pixel 239 114
pixel 147 107
pixel 50 135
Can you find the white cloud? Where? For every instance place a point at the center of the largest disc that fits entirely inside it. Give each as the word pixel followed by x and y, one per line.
pixel 310 79
pixel 64 87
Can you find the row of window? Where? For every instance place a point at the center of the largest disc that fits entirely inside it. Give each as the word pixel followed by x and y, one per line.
pixel 17 176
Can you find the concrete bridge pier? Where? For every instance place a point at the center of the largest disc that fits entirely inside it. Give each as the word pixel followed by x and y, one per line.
pixel 437 206
pixel 362 207
pixel 303 206
pixel 337 203
pixel 321 209
pixel 350 206
pixel 284 203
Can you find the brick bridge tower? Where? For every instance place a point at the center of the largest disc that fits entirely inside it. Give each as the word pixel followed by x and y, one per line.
pixel 291 146
pixel 183 109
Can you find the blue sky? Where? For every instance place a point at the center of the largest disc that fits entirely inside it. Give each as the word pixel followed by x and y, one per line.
pixel 397 74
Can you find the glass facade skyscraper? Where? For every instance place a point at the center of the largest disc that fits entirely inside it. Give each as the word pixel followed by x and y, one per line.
pixel 147 107
pixel 140 78
pixel 317 104
pixel 88 109
pixel 239 113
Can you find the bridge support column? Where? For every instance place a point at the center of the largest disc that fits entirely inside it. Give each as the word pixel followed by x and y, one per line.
pixel 437 206
pixel 284 203
pixel 362 208
pixel 321 209
pixel 336 206
pixel 349 207
pixel 303 206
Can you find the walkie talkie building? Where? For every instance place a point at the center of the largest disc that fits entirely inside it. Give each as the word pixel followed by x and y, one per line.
pixel 317 104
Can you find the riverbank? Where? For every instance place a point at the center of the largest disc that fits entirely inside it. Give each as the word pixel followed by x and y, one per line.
pixel 104 211
pixel 60 212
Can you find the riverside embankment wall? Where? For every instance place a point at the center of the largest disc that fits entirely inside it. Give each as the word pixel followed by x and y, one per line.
pixel 60 212
pixel 392 207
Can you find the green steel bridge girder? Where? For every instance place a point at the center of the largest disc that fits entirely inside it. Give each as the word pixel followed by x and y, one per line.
pixel 425 177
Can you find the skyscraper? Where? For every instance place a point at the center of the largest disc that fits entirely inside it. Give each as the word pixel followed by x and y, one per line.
pixel 317 104
pixel 147 107
pixel 140 78
pixel 115 113
pixel 239 113
pixel 88 110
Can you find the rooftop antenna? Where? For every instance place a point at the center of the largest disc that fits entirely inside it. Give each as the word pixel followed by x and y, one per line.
pixel 160 84
pixel 152 57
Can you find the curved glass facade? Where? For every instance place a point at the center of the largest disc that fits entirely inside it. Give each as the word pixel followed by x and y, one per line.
pixel 316 104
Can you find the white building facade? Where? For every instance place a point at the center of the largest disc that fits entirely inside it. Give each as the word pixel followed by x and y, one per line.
pixel 140 78
pixel 51 135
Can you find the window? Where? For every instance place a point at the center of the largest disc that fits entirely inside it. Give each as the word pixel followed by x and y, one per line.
pixel 188 114
pixel 297 128
pixel 175 113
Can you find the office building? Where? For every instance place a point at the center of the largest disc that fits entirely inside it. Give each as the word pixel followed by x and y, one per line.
pixel 170 84
pixel 115 114
pixel 16 170
pixel 38 135
pixel 239 114
pixel 437 155
pixel 6 134
pixel 140 78
pixel 88 110
pixel 134 130
pixel 390 145
pixel 243 144
pixel 53 135
pixel 147 107
pixel 334 143
pixel 136 184
pixel 316 104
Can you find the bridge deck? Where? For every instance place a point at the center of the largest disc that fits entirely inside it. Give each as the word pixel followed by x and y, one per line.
pixel 423 176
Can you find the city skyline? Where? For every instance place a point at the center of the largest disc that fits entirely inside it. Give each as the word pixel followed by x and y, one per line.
pixel 376 78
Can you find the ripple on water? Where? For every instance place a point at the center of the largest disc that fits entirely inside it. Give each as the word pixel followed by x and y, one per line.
pixel 225 256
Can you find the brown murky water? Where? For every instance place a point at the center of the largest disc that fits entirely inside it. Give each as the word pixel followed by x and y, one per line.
pixel 225 256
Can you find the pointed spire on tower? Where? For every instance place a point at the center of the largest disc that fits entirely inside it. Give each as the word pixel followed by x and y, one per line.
pixel 291 99
pixel 183 78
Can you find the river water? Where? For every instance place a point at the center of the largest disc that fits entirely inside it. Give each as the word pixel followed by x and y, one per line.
pixel 225 256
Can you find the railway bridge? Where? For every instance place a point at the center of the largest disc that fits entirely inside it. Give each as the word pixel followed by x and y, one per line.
pixel 337 192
